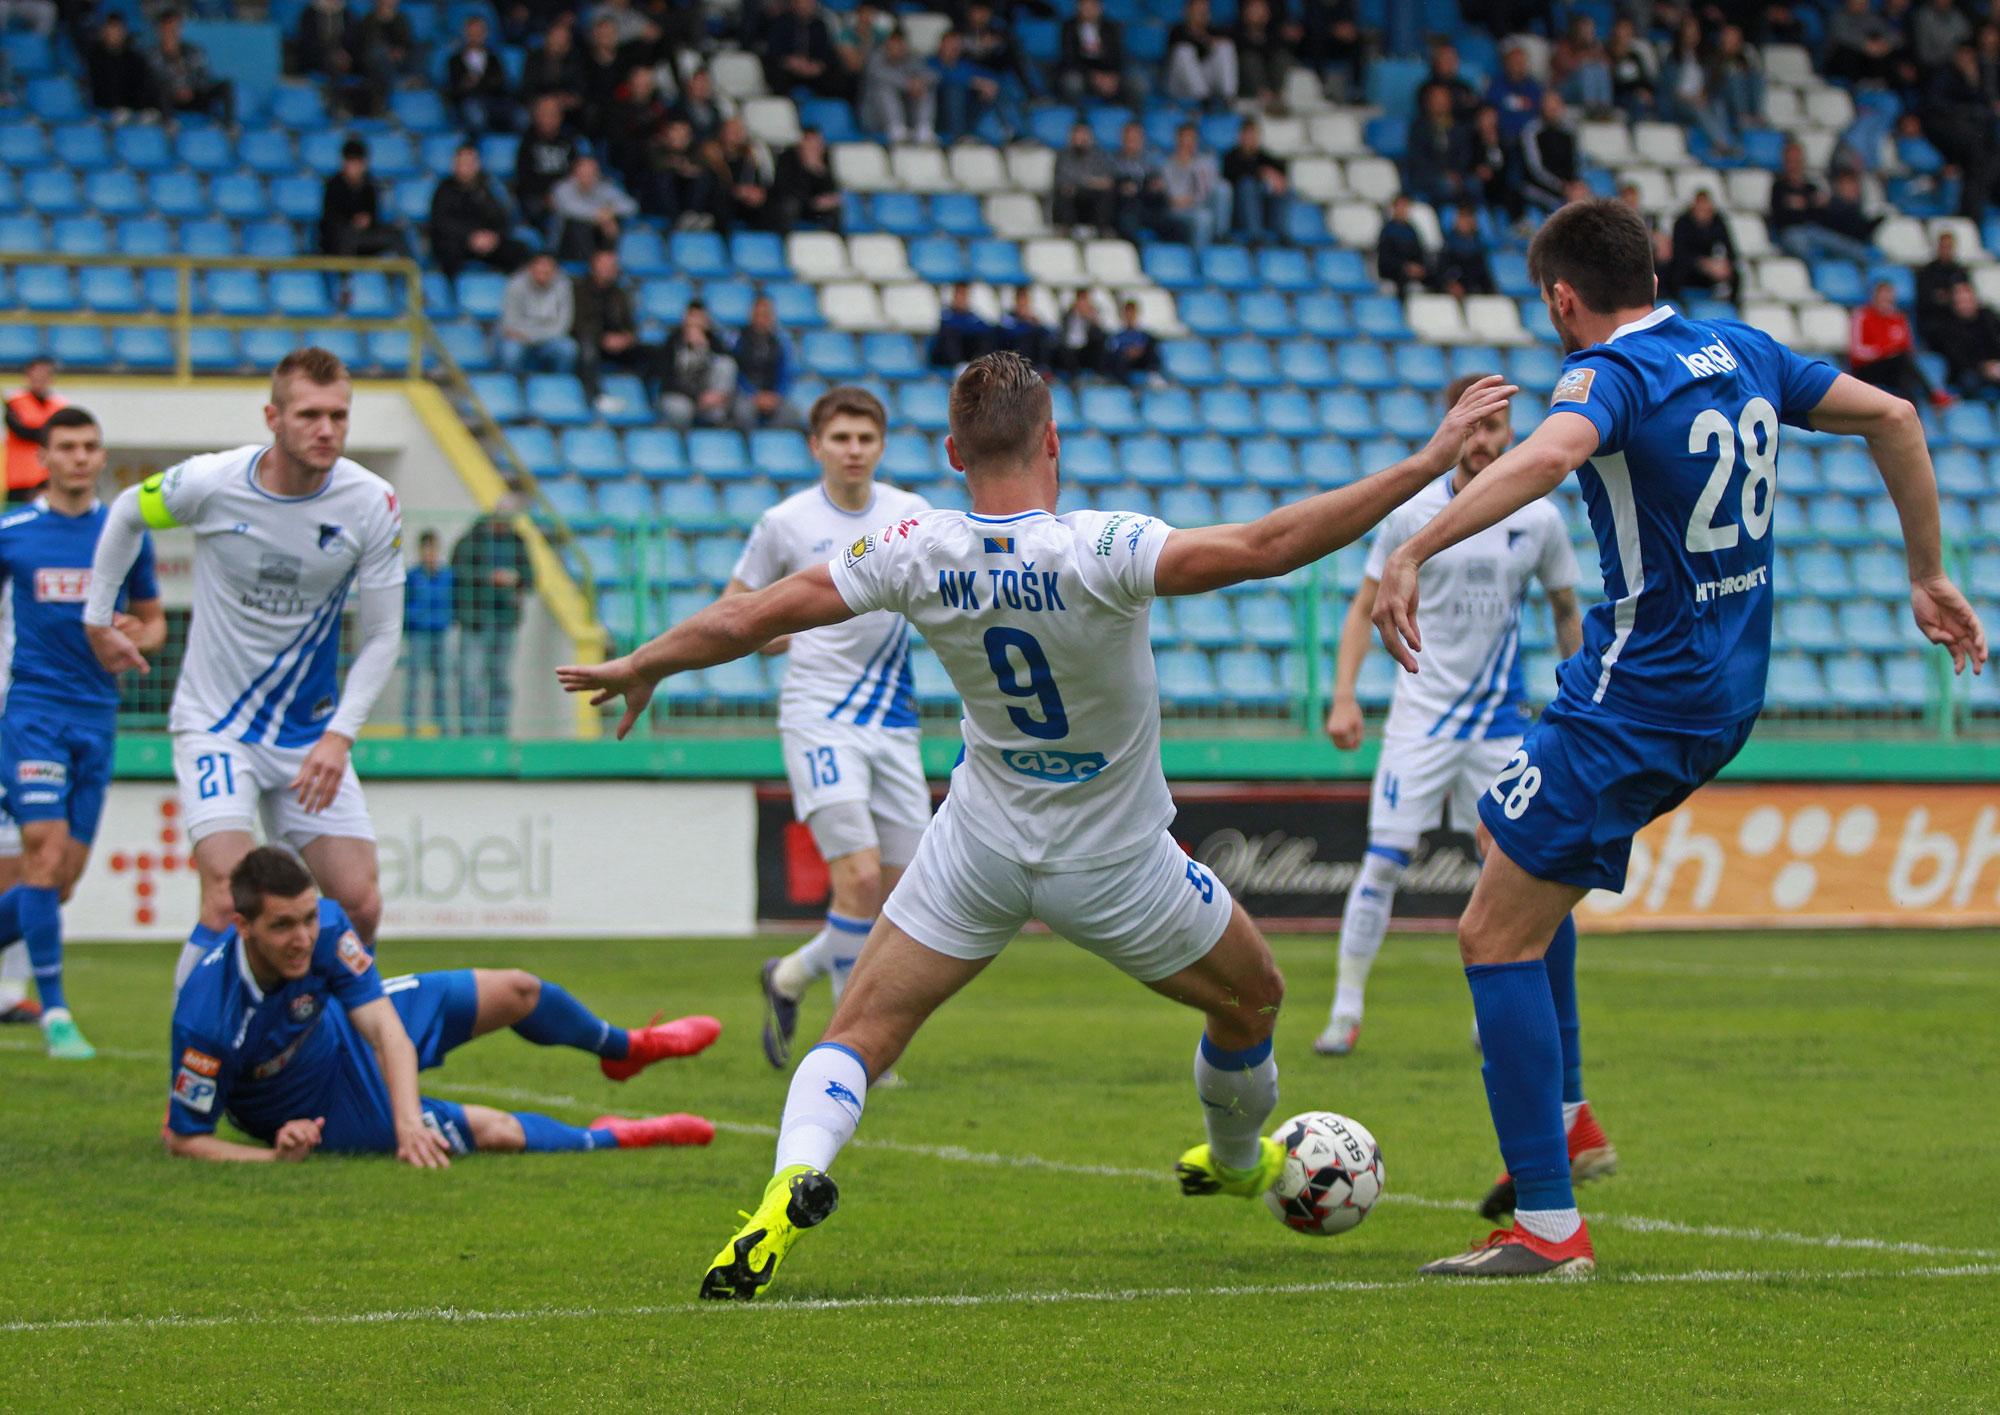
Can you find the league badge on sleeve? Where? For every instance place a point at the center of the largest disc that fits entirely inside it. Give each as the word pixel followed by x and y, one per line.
pixel 1574 386
pixel 859 549
pixel 351 952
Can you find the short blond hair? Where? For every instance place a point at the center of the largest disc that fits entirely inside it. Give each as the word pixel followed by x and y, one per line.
pixel 999 409
pixel 315 365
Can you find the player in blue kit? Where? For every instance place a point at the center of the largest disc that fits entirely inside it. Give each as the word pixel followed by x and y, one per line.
pixel 1671 426
pixel 62 709
pixel 286 1028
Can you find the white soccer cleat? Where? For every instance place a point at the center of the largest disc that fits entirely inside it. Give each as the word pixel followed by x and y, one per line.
pixel 1339 1038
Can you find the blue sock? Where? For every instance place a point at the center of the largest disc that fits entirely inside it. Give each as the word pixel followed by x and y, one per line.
pixel 1560 960
pixel 10 915
pixel 1523 1072
pixel 41 926
pixel 559 1020
pixel 546 1136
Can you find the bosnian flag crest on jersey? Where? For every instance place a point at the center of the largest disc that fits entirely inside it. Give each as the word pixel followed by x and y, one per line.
pixel 999 545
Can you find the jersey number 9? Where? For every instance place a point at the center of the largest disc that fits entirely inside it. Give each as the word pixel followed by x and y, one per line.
pixel 1040 684
pixel 1760 482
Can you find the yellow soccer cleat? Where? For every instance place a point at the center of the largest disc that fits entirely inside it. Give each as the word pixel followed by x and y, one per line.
pixel 1200 1174
pixel 796 1199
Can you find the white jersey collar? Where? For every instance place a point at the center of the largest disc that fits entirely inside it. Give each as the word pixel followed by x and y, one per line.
pixel 835 505
pixel 1664 312
pixel 243 969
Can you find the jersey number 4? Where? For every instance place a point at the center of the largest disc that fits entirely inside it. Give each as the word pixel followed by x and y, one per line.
pixel 1759 420
pixel 1037 682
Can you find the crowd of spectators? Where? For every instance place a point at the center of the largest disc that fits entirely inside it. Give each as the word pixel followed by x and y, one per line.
pixel 170 77
pixel 1076 345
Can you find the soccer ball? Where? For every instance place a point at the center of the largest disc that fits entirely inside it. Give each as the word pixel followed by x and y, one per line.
pixel 1333 1174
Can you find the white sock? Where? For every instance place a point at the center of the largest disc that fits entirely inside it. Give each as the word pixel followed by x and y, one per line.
pixel 1551 1225
pixel 14 974
pixel 1570 1108
pixel 1238 1090
pixel 823 1107
pixel 1364 923
pixel 797 970
pixel 53 1015
pixel 838 945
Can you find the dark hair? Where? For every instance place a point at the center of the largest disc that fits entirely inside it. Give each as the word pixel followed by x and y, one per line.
pixel 468 146
pixel 847 401
pixel 265 872
pixel 1601 249
pixel 353 147
pixel 998 411
pixel 69 416
pixel 48 359
pixel 425 538
pixel 314 365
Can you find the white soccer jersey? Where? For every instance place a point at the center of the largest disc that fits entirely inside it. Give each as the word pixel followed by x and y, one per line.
pixel 1040 621
pixel 857 672
pixel 1469 682
pixel 271 574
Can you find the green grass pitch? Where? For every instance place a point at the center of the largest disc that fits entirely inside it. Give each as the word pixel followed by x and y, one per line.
pixel 1805 1214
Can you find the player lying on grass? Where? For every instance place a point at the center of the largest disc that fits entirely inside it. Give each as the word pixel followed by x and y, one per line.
pixel 1671 426
pixel 1059 810
pixel 286 1028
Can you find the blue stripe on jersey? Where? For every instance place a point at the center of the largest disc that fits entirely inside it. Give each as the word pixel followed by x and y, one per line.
pixel 902 708
pixel 285 689
pixel 318 691
pixel 1513 708
pixel 243 698
pixel 1496 684
pixel 887 645
pixel 1472 687
pixel 889 667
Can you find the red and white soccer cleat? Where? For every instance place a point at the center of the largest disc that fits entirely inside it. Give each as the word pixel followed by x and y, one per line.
pixel 1515 1252
pixel 1590 1157
pixel 684 1036
pixel 656 1130
pixel 21 1011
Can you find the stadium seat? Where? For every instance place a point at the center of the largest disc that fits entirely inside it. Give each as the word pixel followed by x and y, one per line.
pixel 655 453
pixel 1169 411
pixel 556 399
pixel 718 453
pixel 592 453
pixel 111 290
pixel 1209 460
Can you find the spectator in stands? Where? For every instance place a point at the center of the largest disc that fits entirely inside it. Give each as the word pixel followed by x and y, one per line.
pixel 962 335
pixel 554 68
pixel 995 57
pixel 1444 73
pixel 679 185
pixel 1461 267
pixel 590 211
pixel 1078 345
pixel 607 66
pixel 765 369
pixel 899 93
pixel 965 93
pixel 385 47
pixel 638 112
pixel 682 26
pixel 605 320
pixel 1861 46
pixel 1937 28
pixel 1197 199
pixel 1515 92
pixel 1549 154
pixel 632 26
pixel 704 113
pixel 1090 66
pixel 798 53
pixel 469 220
pixel 1201 62
pixel 1493 164
pixel 350 209
pixel 547 152
pixel 181 77
pixel 697 376
pixel 1846 218
pixel 1663 246
pixel 1580 69
pixel 1958 118
pixel 1635 72
pixel 537 318
pixel 39 16
pixel 427 601
pixel 475 85
pixel 742 171
pixel 1685 94
pixel 857 36
pixel 1331 41
pixel 1969 338
pixel 1135 183
pixel 326 45
pixel 1257 186
pixel 1262 56
pixel 1400 257
pixel 1085 191
pixel 1935 282
pixel 120 79
pixel 1795 200
pixel 804 193
pixel 1736 79
pixel 1132 353
pixel 28 408
pixel 490 572
pixel 1437 158
pixel 1704 255
pixel 1022 332
pixel 1880 350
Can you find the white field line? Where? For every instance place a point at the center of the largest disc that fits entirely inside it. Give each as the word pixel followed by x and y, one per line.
pixel 468 1315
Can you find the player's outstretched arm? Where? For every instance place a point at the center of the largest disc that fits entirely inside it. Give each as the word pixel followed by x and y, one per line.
pixel 117 547
pixel 1527 473
pixel 777 645
pixel 731 628
pixel 1208 558
pixel 416 1144
pixel 1343 717
pixel 294 1142
pixel 1896 442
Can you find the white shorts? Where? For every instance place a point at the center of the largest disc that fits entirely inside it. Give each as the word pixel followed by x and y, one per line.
pixel 231 785
pixel 879 770
pixel 1417 775
pixel 1150 914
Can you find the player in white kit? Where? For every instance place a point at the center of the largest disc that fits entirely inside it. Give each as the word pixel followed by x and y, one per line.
pixel 1059 811
pixel 848 712
pixel 15 1004
pixel 1451 727
pixel 285 534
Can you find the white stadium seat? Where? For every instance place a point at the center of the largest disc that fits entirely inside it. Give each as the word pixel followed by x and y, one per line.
pixel 1285 137
pixel 772 121
pixel 1113 263
pixel 1015 215
pixel 851 305
pixel 1789 64
pixel 1158 315
pixel 1302 92
pixel 1054 260
pixel 925 29
pixel 1538 53
pixel 862 167
pixel 1494 319
pixel 1437 319
pixel 1606 144
pixel 986 302
pixel 1783 109
pixel 1656 193
pixel 1781 277
pixel 1751 235
pixel 1430 230
pixel 975 167
pixel 912 307
pixel 1749 189
pixel 1336 133
pixel 1662 144
pixel 1032 167
pixel 1819 144
pixel 919 167
pixel 1689 180
pixel 1830 108
pixel 1970 249
pixel 1902 239
pixel 737 74
pixel 1318 179
pixel 1823 328
pixel 817 256
pixel 1373 178
pixel 1775 320
pixel 1355 223
pixel 1986 280
pixel 879 257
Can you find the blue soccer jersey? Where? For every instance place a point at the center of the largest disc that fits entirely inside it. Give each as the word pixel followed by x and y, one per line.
pixel 46 557
pixel 1681 492
pixel 264 1058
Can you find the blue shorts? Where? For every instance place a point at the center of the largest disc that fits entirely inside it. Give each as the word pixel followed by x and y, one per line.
pixel 1567 804
pixel 55 770
pixel 437 1010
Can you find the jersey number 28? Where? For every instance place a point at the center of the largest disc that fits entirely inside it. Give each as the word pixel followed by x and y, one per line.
pixel 1760 482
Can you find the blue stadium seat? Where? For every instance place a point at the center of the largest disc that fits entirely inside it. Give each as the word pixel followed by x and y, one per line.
pixel 717 452
pixel 1808 624
pixel 1907 680
pixel 1149 461
pixel 758 255
pixel 1421 366
pixel 238 196
pixel 1228 412
pixel 1839 281
pixel 1364 365
pixel 212 350
pixel 1266 314
pixel 296 198
pixel 467 344
pixel 668 562
pixel 1190 362
pixel 729 302
pixel 1186 678
pixel 1249 676
pixel 1185 506
pixel 114 193
pixel 902 214
pixel 1535 368
pixel 536 447
pixel 1404 414
pixel 1228 268
pixel 744 501
pixel 1169 411
pixel 693 506
pixel 178 194
pixel 303 293
pixel 797 304
pixel 664 298
pixel 1867 624
pixel 1163 626
pixel 910 458
pixel 500 395
pixel 1171 267
pixel 891 356
pixel 1510 275
pixel 80 346
pixel 1849 471
pixel 1381 317
pixel 1344 272
pixel 1823 571
pixel 1267 619
pixel 1324 316
pixel 268 152
pixel 419 109
pixel 53 192
pixel 111 290
pixel 144 350
pixel 924 405
pixel 19 343
pixel 143 147
pixel 1210 460
pixel 299 106
pixel 642 251
pixel 557 399
pixel 1050 125
pixel 232 292
pixel 958 214
pixel 781 454
pixel 1853 681
pixel 1110 410
pixel 1286 269
pixel 1248 362
pixel 592 452
pixel 998 263
pixel 1960 471
pixel 1347 413
pixel 1270 461
pixel 831 354
pixel 54 99
pixel 656 453
pixel 1088 461
pixel 22 143
pixel 568 499
pixel 625 402
pixel 939 260
pixel 1795 684
pixel 82 147
pixel 1377 453
pixel 1305 224
pixel 1901 277
pixel 81 235
pixel 1209 313
pixel 623 501
pixel 271 240
pixel 45 288
pixel 1207 621
pixel 1971 424
pixel 144 235
pixel 480 292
